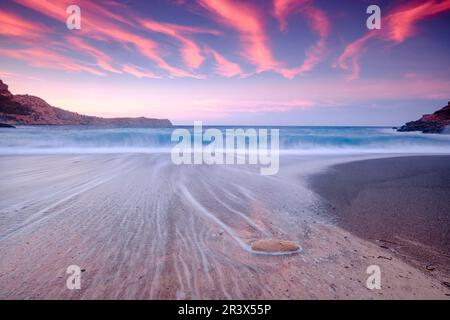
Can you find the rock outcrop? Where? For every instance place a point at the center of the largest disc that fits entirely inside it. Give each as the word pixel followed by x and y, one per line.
pixel 430 123
pixel 4 92
pixel 31 110
pixel 4 125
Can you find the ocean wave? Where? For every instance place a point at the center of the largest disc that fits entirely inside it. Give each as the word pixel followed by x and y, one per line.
pixel 293 140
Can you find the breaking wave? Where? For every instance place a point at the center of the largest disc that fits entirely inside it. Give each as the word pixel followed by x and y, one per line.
pixel 301 140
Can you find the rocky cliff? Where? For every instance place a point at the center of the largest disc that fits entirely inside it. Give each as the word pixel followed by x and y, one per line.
pixel 431 123
pixel 31 110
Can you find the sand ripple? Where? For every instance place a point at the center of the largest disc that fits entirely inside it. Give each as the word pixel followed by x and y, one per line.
pixel 143 228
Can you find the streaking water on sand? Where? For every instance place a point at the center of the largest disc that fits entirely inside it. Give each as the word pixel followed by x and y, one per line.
pixel 144 228
pixel 293 140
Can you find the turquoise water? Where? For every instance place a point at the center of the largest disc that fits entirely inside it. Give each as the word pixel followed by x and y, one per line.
pixel 73 139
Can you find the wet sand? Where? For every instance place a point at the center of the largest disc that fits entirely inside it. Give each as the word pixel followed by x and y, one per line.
pixel 143 228
pixel 402 204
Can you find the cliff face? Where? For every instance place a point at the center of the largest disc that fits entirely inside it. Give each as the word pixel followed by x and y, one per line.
pixel 31 110
pixel 430 123
pixel 4 92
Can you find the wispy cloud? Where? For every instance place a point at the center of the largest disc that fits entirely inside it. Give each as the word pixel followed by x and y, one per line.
pixel 116 35
pixel 283 8
pixel 16 26
pixel 101 24
pixel 319 24
pixel 138 72
pixel 248 21
pixel 190 50
pixel 349 59
pixel 398 25
pixel 49 59
pixel 103 60
pixel 402 21
pixel 225 67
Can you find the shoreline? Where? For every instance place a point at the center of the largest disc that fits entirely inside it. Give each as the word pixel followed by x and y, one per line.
pixel 143 228
pixel 400 204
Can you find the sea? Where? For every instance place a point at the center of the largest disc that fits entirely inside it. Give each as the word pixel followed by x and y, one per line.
pixel 292 140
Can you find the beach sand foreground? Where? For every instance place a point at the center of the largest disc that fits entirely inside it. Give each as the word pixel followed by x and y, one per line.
pixel 143 228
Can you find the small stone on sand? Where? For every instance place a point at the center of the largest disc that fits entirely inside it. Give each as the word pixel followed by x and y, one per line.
pixel 274 246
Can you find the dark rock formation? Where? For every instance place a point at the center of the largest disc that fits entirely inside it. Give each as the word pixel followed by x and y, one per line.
pixel 4 92
pixel 4 125
pixel 430 123
pixel 31 110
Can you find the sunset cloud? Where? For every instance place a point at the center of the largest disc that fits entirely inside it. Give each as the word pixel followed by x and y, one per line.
pixel 99 23
pixel 190 50
pixel 102 60
pixel 349 59
pixel 318 23
pixel 398 25
pixel 225 67
pixel 246 19
pixel 13 25
pixel 283 8
pixel 29 36
pixel 230 60
pixel 138 72
pixel 402 21
pixel 218 40
pixel 43 58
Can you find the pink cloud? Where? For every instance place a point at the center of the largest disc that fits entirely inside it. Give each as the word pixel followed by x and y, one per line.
pixel 107 29
pixel 319 24
pixel 190 51
pixel 102 24
pixel 246 19
pixel 225 67
pixel 44 58
pixel 15 26
pixel 349 59
pixel 402 21
pixel 138 72
pixel 29 34
pixel 283 8
pixel 397 26
pixel 103 60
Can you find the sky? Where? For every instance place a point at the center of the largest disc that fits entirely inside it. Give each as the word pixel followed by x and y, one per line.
pixel 241 62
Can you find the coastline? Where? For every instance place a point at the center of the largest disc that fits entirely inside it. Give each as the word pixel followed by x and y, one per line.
pixel 143 228
pixel 399 203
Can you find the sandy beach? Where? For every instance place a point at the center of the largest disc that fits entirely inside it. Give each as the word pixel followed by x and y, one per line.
pixel 400 203
pixel 143 228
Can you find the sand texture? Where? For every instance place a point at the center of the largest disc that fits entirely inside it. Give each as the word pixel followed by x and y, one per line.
pixel 143 228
